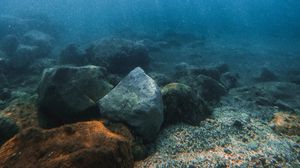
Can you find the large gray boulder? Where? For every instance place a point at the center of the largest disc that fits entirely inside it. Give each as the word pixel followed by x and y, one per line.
pixel 68 94
pixel 137 101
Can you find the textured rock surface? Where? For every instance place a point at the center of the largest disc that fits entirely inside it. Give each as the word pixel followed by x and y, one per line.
pixel 81 145
pixel 182 105
pixel 69 94
pixel 137 101
pixel 121 55
pixel 262 100
pixel 23 57
pixel 208 88
pixel 286 123
pixel 7 129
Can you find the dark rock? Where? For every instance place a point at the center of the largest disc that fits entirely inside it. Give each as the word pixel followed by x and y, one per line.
pixel 222 68
pixel 5 94
pixel 182 105
pixel 7 129
pixel 137 101
pixel 71 55
pixel 208 88
pixel 228 151
pixel 294 76
pixel 215 72
pixel 120 55
pixel 39 65
pixel 68 94
pixel 9 44
pixel 43 41
pixel 229 80
pixel 160 79
pixel 266 76
pixel 24 56
pixel 80 145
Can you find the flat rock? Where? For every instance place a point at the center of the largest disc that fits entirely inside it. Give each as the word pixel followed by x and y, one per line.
pixel 137 101
pixel 80 145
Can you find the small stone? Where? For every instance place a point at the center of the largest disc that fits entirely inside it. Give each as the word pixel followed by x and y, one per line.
pixel 228 151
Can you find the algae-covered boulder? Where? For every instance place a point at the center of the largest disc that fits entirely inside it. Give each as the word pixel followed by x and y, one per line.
pixel 137 101
pixel 69 93
pixel 182 105
pixel 120 55
pixel 81 145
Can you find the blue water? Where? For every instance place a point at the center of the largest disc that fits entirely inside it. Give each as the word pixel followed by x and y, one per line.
pixel 87 20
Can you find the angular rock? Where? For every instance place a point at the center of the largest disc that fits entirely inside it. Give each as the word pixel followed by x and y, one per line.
pixel 80 145
pixel 137 101
pixel 68 94
pixel 120 55
pixel 182 105
pixel 7 129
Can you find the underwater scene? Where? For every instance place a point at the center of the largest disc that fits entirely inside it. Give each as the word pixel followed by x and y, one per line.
pixel 149 84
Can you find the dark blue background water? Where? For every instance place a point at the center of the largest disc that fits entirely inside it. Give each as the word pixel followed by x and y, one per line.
pixel 86 20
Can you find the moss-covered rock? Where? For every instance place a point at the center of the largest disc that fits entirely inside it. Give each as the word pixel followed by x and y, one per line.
pixel 182 105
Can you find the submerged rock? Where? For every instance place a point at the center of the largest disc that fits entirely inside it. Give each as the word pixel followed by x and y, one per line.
pixel 68 94
pixel 262 100
pixel 10 44
pixel 229 80
pixel 120 55
pixel 286 123
pixel 182 105
pixel 183 69
pixel 24 57
pixel 208 88
pixel 266 76
pixel 160 79
pixel 43 41
pixel 80 145
pixel 137 101
pixel 294 76
pixel 7 129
